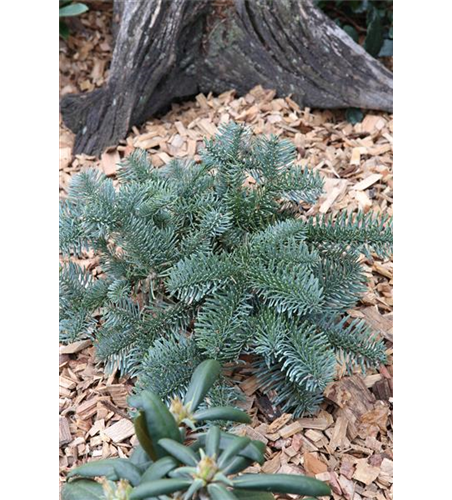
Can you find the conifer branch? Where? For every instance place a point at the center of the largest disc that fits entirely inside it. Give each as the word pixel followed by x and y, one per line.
pixel 222 328
pixel 362 233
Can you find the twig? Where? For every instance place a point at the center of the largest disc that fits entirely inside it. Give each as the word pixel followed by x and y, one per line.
pixel 113 408
pixel 358 28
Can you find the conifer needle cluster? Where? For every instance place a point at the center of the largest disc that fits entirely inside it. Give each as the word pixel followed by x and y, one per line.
pixel 214 259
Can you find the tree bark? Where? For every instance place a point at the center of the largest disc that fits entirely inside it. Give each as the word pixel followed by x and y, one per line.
pixel 118 9
pixel 172 49
pixel 150 67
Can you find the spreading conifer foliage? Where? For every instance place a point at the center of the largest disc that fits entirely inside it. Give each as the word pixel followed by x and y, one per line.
pixel 214 259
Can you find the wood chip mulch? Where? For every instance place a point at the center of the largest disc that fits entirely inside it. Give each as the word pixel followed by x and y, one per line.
pixel 349 442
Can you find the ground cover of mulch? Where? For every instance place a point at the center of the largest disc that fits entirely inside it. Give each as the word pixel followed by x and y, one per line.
pixel 349 442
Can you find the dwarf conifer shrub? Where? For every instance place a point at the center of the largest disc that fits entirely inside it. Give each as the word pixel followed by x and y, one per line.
pixel 214 259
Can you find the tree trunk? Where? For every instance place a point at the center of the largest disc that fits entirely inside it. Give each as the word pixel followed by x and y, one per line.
pixel 173 49
pixel 150 67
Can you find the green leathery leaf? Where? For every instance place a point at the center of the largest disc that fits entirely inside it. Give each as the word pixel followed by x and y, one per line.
pixel 283 483
pixel 182 471
pixel 213 441
pixel 202 380
pixel 220 492
pixel 82 489
pixel 159 487
pixel 160 422
pixel 255 451
pixel 221 478
pixel 159 469
pixel 183 453
pixel 236 465
pixel 239 444
pixel 386 49
pixel 74 9
pixel 351 32
pixel 143 437
pixel 222 413
pixel 64 30
pixel 140 458
pixel 253 495
pixel 259 445
pixel 196 485
pixel 374 37
pixel 126 470
pixel 98 468
pixel 354 115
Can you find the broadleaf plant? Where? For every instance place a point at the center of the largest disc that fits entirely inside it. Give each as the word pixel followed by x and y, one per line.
pixel 165 467
pixel 69 9
pixel 216 259
pixel 368 22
